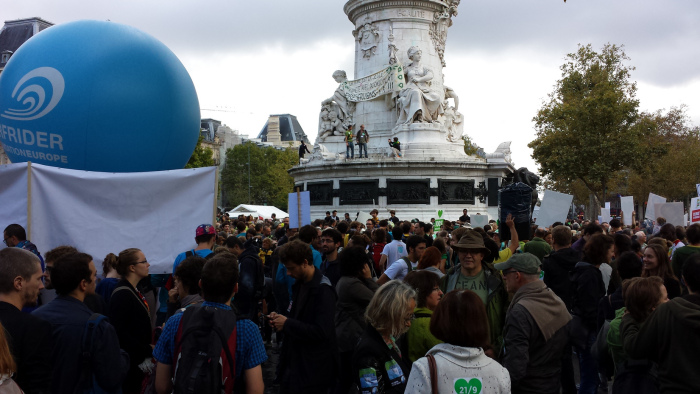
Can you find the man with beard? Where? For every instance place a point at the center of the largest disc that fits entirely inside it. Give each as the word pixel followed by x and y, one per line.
pixel 331 240
pixel 29 336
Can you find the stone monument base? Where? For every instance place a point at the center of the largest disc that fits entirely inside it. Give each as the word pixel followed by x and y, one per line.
pixel 414 188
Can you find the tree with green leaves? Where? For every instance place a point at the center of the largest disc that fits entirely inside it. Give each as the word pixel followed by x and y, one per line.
pixel 588 129
pixel 269 180
pixel 201 157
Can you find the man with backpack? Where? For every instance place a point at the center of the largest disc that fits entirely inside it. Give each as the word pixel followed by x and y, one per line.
pixel 400 268
pixel 205 236
pixel 205 349
pixel 86 354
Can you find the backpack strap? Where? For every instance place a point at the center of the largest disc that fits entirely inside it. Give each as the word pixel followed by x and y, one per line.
pixel 87 349
pixel 408 263
pixel 135 295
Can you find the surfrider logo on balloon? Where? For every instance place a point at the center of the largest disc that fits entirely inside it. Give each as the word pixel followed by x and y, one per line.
pixel 31 100
pixel 33 95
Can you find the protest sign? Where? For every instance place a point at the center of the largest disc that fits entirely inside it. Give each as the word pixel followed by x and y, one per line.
pixel 554 208
pixel 299 213
pixel 651 201
pixel 605 215
pixel 695 210
pixel 627 208
pixel 439 221
pixel 607 205
pixel 671 211
pixel 363 217
pixel 479 220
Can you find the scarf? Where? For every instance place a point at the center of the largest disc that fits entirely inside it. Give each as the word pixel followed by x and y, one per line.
pixel 548 310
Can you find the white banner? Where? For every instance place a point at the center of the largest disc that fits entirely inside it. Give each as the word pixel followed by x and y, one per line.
pixel 554 208
pixel 388 80
pixel 101 213
pixel 627 204
pixel 695 210
pixel 13 196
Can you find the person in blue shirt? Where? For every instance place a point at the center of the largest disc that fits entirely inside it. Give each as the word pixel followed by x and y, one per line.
pixel 205 236
pixel 219 283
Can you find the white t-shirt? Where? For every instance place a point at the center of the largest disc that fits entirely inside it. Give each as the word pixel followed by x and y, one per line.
pixel 398 269
pixel 395 250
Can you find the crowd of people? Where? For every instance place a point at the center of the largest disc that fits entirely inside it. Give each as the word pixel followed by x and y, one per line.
pixel 384 306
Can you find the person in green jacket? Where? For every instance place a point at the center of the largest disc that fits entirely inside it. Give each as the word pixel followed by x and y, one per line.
pixel 537 245
pixel 419 338
pixel 474 274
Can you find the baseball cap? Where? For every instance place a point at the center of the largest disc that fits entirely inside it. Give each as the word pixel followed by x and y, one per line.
pixel 526 263
pixel 204 229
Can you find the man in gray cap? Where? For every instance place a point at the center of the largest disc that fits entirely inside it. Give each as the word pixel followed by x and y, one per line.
pixel 535 332
pixel 474 274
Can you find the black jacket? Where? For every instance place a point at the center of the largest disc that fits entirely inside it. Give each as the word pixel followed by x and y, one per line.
pixel 309 356
pixel 369 365
pixel 669 337
pixel 130 318
pixel 354 294
pixel 588 288
pixel 250 283
pixel 30 344
pixel 109 363
pixel 608 305
pixel 557 266
pixel 533 363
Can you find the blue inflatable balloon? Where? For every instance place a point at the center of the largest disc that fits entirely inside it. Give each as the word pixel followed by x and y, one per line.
pixel 98 96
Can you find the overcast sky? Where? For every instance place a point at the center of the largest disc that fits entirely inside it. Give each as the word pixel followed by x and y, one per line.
pixel 250 59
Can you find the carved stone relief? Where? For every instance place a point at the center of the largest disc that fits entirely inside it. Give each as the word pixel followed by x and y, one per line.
pixel 359 192
pixel 367 36
pixel 456 192
pixel 408 191
pixel 438 30
pixel 320 193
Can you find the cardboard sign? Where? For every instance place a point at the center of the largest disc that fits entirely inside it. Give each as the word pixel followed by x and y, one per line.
pixel 439 221
pixel 671 211
pixel 295 219
pixel 604 215
pixel 479 220
pixel 607 206
pixel 695 210
pixel 363 217
pixel 651 201
pixel 555 206
pixel 627 208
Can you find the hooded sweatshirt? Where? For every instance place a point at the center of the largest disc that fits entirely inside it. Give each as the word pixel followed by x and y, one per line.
pixel 459 367
pixel 588 288
pixel 669 337
pixel 556 267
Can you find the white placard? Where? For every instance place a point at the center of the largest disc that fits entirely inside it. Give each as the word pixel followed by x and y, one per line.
pixel 695 210
pixel 604 215
pixel 100 213
pixel 697 186
pixel 627 204
pixel 363 217
pixel 651 201
pixel 607 206
pixel 671 211
pixel 554 208
pixel 479 220
pixel 535 213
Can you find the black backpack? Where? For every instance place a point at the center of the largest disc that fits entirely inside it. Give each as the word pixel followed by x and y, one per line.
pixel 205 348
pixel 88 383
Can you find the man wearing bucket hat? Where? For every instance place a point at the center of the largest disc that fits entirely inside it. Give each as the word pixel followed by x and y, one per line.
pixel 535 333
pixel 475 275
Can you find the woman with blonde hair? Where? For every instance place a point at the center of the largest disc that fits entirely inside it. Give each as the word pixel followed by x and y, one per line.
pixel 377 363
pixel 129 314
pixel 7 367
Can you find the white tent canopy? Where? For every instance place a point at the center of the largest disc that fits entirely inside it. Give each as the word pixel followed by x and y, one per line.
pixel 265 211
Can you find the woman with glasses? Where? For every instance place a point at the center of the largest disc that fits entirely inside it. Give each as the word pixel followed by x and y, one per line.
pixel 377 364
pixel 460 363
pixel 129 314
pixel 418 338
